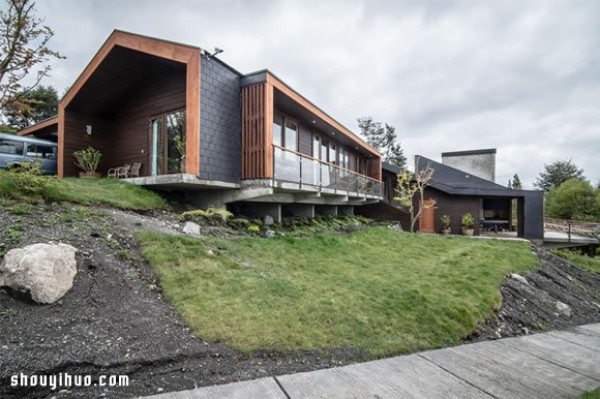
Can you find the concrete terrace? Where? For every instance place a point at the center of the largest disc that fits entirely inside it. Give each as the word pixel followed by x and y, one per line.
pixel 558 364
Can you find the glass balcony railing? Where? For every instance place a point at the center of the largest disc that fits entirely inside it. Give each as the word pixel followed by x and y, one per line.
pixel 290 166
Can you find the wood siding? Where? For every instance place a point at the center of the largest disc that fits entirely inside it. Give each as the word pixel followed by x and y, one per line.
pixel 257 132
pixel 189 56
pixel 454 206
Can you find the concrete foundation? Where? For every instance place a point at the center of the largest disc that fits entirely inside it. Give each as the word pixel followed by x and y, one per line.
pixel 298 210
pixel 258 210
pixel 326 210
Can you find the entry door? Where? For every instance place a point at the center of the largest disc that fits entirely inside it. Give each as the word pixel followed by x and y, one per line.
pixel 167 143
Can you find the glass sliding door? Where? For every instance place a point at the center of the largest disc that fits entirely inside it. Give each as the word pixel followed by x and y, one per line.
pixel 167 143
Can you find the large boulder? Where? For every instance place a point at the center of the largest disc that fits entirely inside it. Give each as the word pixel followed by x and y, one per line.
pixel 45 271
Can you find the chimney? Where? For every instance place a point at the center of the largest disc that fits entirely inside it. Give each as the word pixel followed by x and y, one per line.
pixel 480 163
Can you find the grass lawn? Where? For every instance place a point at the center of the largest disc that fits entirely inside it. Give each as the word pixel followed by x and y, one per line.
pixel 595 394
pixel 377 290
pixel 583 261
pixel 110 192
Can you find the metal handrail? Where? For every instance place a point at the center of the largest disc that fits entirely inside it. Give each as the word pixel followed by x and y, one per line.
pixel 378 185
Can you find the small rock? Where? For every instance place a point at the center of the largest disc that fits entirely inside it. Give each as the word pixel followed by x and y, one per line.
pixel 525 330
pixel 563 309
pixel 519 278
pixel 159 389
pixel 269 234
pixel 191 228
pixel 268 220
pixel 396 227
pixel 210 252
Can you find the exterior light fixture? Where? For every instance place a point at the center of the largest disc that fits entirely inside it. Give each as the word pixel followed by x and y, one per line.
pixel 209 55
pixel 88 129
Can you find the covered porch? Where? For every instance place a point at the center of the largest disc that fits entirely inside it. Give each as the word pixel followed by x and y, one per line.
pixel 136 102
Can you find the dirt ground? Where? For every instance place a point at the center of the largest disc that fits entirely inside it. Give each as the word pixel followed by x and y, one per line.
pixel 115 320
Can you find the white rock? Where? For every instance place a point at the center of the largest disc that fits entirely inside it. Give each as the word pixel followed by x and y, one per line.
pixel 191 228
pixel 563 309
pixel 45 271
pixel 269 234
pixel 268 220
pixel 519 278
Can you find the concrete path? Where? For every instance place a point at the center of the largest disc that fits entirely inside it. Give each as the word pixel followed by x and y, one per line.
pixel 558 364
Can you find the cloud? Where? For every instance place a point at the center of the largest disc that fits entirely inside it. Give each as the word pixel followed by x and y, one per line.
pixel 523 77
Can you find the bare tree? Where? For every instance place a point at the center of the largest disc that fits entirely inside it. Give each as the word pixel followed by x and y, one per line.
pixel 23 51
pixel 411 184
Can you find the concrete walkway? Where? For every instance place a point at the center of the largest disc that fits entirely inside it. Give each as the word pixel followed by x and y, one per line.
pixel 558 364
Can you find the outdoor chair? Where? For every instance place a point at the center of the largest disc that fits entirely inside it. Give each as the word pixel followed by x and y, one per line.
pixel 123 172
pixel 135 169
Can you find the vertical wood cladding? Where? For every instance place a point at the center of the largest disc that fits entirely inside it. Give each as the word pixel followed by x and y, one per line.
pixel 257 114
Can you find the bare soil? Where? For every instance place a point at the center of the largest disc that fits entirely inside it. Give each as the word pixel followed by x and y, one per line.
pixel 116 321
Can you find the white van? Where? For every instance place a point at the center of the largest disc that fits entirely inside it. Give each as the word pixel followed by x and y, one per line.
pixel 17 150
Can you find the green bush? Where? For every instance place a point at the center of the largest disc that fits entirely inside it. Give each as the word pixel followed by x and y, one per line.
pixel 445 220
pixel 212 216
pixel 467 220
pixel 88 159
pixel 574 199
pixel 238 223
pixel 27 179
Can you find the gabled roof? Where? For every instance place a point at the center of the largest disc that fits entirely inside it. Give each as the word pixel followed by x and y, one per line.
pixel 454 181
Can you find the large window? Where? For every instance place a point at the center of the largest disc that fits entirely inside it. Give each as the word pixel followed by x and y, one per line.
pixel 167 143
pixel 333 153
pixel 277 130
pixel 285 132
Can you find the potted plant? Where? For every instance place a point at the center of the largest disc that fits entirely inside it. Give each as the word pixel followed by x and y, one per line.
pixel 88 160
pixel 468 224
pixel 445 220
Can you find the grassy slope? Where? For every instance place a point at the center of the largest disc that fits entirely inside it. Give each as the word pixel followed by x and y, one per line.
pixel 583 261
pixel 110 192
pixel 378 290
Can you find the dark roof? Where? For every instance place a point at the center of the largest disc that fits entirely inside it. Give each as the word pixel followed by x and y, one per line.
pixel 391 168
pixel 472 152
pixel 454 181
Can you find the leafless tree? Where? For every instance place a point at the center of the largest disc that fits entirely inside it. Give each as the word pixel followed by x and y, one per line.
pixel 411 184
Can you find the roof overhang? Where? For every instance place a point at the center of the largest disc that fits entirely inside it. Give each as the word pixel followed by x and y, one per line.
pixel 39 126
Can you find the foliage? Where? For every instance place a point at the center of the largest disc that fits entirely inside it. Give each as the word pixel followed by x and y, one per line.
pixel 383 138
pixel 574 199
pixel 377 290
pixel 515 183
pixel 556 173
pixel 27 179
pixel 583 261
pixel 213 216
pixel 7 129
pixel 408 186
pixel 88 159
pixel 37 105
pixel 24 43
pixel 445 220
pixel 109 192
pixel 467 220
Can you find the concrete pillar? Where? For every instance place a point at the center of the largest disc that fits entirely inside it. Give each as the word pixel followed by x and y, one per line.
pixel 259 210
pixel 345 210
pixel 299 210
pixel 326 210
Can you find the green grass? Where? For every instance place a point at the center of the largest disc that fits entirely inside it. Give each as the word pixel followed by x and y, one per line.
pixel 109 192
pixel 583 261
pixel 377 290
pixel 595 394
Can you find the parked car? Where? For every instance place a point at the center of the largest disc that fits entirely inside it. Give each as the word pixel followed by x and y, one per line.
pixel 17 150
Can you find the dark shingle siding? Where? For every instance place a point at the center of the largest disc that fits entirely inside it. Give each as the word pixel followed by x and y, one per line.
pixel 220 123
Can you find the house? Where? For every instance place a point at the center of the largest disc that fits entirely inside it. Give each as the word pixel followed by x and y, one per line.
pixel 246 141
pixel 457 189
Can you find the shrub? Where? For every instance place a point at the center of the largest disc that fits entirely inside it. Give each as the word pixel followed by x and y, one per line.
pixel 238 223
pixel 467 220
pixel 445 220
pixel 27 179
pixel 212 216
pixel 88 159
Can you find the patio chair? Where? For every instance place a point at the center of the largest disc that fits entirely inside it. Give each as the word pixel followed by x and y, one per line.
pixel 123 171
pixel 135 169
pixel 112 172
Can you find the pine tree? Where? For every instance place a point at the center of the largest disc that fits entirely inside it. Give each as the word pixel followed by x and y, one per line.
pixel 516 183
pixel 383 138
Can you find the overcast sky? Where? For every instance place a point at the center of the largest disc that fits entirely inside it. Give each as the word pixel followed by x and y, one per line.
pixel 520 76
